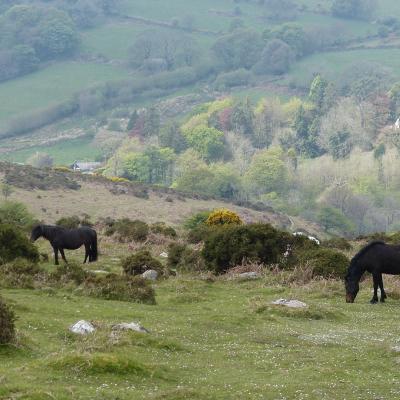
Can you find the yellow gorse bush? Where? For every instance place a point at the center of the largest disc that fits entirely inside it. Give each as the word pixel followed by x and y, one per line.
pixel 223 216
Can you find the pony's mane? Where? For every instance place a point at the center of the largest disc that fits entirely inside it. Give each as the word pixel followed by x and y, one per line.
pixel 364 250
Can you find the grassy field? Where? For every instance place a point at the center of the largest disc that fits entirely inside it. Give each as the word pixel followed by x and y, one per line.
pixel 332 64
pixel 209 339
pixel 54 84
pixel 63 152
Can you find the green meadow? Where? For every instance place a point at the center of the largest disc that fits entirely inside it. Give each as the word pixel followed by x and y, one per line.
pixel 209 339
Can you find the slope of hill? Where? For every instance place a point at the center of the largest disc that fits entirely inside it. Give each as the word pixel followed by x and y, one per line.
pixel 50 195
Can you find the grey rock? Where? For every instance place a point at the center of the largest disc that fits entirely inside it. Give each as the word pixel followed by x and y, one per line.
pixel 150 274
pixel 131 326
pixel 82 328
pixel 290 303
pixel 249 275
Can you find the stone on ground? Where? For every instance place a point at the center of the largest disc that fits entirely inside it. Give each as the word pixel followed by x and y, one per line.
pixel 290 303
pixel 82 328
pixel 131 326
pixel 150 274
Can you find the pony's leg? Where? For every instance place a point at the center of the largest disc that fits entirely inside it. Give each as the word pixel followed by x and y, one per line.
pixel 383 294
pixel 55 255
pixel 376 284
pixel 63 256
pixel 87 253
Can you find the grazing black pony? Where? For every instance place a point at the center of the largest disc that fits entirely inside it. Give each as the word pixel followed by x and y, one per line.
pixel 377 258
pixel 71 239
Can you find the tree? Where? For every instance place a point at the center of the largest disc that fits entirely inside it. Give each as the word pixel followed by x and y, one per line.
pixel 333 219
pixel 276 58
pixel 171 48
pixel 40 160
pixel 318 92
pixel 306 135
pixel 240 49
pixel 379 152
pixel 132 120
pixel 171 136
pixel 154 166
pixel 208 142
pixel 339 144
pixel 293 35
pixel 242 118
pixel 267 172
pixel 353 9
pixel 151 122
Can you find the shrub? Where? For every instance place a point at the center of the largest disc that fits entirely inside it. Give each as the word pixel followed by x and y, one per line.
pixel 140 262
pixel 337 243
pixel 183 258
pixel 197 219
pixel 117 179
pixel 128 230
pixel 117 287
pixel 163 229
pixel 70 272
pixel 198 234
pixel 14 244
pixel 326 262
pixel 7 327
pixel 72 222
pixel 61 168
pixel 19 274
pixel 16 214
pixel 223 217
pixel 230 245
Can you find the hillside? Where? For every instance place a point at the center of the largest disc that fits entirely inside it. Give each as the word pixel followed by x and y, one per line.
pixel 104 53
pixel 52 195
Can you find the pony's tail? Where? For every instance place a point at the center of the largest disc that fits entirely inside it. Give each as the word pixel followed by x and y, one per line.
pixel 93 248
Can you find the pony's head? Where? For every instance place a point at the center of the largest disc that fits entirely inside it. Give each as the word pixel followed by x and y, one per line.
pixel 37 231
pixel 352 288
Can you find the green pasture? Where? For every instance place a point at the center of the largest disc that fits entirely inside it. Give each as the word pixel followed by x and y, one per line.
pixel 332 64
pixel 56 83
pixel 63 152
pixel 209 339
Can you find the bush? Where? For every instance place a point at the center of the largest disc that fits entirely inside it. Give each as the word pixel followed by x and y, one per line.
pixel 7 327
pixel 227 80
pixel 14 244
pixel 230 245
pixel 337 243
pixel 117 287
pixel 128 230
pixel 163 229
pixel 19 274
pixel 197 219
pixel 72 222
pixel 16 214
pixel 327 263
pixel 198 234
pixel 223 217
pixel 140 262
pixel 70 272
pixel 183 258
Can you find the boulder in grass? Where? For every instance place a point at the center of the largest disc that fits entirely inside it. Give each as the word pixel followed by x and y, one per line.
pixel 290 303
pixel 249 275
pixel 150 274
pixel 131 326
pixel 82 328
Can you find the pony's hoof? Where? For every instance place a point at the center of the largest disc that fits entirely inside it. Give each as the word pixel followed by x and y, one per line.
pixel 382 300
pixel 373 301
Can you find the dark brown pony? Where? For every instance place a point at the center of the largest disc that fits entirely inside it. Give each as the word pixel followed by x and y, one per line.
pixel 70 239
pixel 376 258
